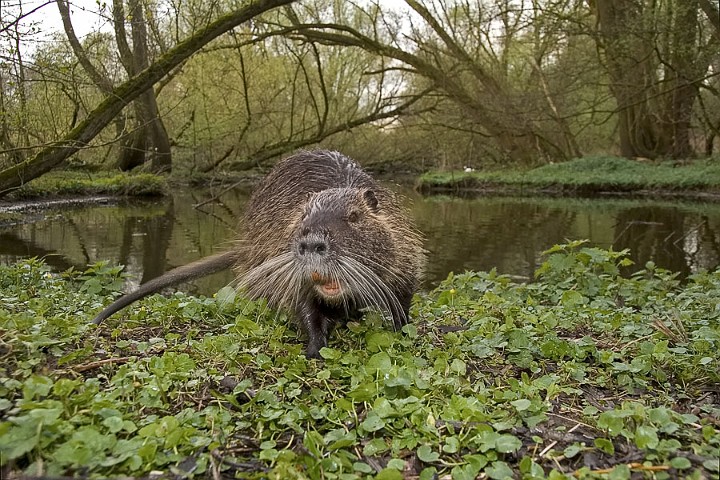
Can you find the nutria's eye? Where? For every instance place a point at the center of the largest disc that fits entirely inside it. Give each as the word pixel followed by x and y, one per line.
pixel 353 216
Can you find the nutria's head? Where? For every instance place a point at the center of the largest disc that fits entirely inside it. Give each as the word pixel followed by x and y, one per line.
pixel 341 251
pixel 341 235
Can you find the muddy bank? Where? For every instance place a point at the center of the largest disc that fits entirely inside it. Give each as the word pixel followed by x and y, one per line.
pixel 470 188
pixel 29 211
pixel 35 205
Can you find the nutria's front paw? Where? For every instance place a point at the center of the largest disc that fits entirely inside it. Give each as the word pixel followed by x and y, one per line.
pixel 313 353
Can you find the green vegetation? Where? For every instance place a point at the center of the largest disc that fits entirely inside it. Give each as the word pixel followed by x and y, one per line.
pixel 583 175
pixel 586 175
pixel 69 183
pixel 236 85
pixel 582 373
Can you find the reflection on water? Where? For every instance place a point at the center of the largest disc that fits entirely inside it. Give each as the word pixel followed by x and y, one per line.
pixel 511 233
pixel 462 234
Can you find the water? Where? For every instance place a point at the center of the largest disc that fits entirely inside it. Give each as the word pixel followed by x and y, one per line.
pixel 477 234
pixel 511 233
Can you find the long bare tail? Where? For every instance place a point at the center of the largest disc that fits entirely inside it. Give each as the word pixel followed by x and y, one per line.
pixel 199 268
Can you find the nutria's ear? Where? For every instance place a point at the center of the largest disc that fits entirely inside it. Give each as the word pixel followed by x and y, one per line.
pixel 371 200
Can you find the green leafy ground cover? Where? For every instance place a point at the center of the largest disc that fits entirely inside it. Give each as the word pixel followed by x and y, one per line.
pixel 581 374
pixel 586 175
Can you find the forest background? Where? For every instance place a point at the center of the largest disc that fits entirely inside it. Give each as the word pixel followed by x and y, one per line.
pixel 195 86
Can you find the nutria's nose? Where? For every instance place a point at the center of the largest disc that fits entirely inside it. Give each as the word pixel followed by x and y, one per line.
pixel 312 246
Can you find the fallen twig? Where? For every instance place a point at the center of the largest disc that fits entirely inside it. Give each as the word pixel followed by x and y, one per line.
pixel 100 363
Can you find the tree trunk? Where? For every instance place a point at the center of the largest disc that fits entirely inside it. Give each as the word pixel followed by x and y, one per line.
pixel 654 111
pixel 101 81
pixel 628 57
pixel 713 14
pixel 14 154
pixel 103 114
pixel 683 80
pixel 152 126
pixel 133 151
pixel 149 139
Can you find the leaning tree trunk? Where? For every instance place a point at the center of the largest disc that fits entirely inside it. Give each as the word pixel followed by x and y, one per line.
pixel 103 114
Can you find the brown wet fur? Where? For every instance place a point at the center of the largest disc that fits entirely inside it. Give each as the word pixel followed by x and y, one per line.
pixel 322 239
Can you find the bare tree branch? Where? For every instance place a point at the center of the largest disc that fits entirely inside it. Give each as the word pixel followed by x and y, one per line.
pixel 101 81
pixel 126 56
pixel 16 21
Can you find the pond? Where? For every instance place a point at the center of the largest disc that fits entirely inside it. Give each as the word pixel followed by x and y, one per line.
pixel 506 233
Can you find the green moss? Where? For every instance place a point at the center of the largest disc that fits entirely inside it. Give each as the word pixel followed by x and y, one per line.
pixel 73 183
pixel 586 175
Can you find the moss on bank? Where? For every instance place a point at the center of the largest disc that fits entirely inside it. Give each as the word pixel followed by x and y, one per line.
pixel 74 183
pixel 587 175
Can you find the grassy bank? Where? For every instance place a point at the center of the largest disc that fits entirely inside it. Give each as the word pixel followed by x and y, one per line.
pixel 582 374
pixel 584 176
pixel 75 183
pixel 590 175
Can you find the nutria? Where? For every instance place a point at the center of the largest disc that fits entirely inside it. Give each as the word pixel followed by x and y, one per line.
pixel 321 238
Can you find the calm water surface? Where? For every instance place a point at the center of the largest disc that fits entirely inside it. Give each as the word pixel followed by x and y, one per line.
pixel 462 234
